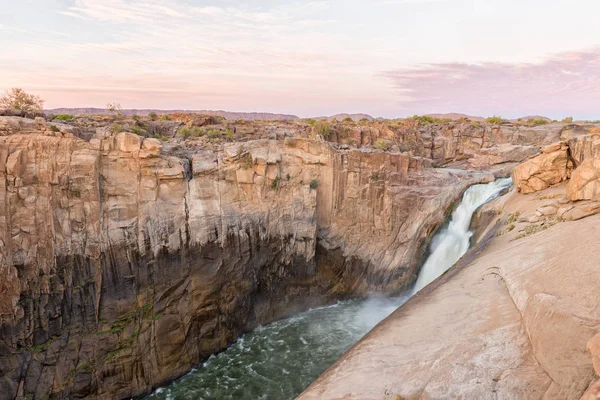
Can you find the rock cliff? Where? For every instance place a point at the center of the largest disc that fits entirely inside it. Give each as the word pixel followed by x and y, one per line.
pixel 126 260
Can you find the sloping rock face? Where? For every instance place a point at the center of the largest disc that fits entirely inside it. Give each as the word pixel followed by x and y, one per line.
pixel 123 266
pixel 512 320
pixel 551 167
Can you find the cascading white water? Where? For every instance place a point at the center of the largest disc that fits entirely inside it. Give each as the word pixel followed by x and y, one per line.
pixel 449 245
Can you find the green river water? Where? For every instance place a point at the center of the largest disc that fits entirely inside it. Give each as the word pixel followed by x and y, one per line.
pixel 280 360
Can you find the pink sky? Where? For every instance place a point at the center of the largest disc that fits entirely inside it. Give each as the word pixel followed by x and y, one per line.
pixel 387 58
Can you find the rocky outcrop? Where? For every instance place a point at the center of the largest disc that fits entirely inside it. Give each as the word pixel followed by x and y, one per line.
pixel 509 321
pixel 551 167
pixel 124 264
pixel 585 181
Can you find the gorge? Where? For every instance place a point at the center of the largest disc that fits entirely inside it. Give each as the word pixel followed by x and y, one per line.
pixel 281 359
pixel 129 259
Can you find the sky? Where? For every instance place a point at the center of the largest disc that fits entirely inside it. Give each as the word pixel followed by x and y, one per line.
pixel 389 58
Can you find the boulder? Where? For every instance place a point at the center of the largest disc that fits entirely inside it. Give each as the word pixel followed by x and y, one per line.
pixel 585 181
pixel 151 147
pixel 549 168
pixel 127 142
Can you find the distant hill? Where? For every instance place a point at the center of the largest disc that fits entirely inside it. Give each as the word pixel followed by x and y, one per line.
pixel 225 114
pixel 532 117
pixel 355 117
pixel 455 116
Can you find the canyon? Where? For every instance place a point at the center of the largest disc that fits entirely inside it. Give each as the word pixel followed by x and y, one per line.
pixel 127 259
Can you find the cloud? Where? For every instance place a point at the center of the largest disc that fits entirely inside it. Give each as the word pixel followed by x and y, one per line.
pixel 562 83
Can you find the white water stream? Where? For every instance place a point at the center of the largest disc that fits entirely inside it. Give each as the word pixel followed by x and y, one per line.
pixel 450 244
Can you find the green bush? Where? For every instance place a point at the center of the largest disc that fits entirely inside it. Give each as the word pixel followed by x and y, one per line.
pixel 323 128
pixel 381 144
pixel 135 117
pixel 364 120
pixel 567 120
pixel 314 184
pixel 116 128
pixel 348 119
pixel 64 117
pixel 54 128
pixel 153 116
pixel 495 120
pixel 138 131
pixel 185 131
pixel 537 122
pixel 165 117
pixel 197 131
pixel 311 121
pixel 428 120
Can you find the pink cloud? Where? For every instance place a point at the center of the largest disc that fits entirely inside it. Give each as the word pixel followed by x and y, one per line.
pixel 563 84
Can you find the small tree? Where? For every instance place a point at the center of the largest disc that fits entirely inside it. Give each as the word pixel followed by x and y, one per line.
pixel 153 116
pixel 18 99
pixel 115 109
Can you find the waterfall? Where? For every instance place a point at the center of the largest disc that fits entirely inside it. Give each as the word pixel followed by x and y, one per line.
pixel 449 245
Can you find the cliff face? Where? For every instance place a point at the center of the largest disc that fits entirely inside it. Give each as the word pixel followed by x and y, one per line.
pixel 123 266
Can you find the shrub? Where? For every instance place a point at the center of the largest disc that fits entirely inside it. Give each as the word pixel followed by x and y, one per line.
pixel 153 116
pixel 381 144
pixel 323 128
pixel 116 128
pixel 18 99
pixel 229 134
pixel 64 117
pixel 165 117
pixel 495 120
pixel 213 133
pixel 135 117
pixel 184 131
pixel 475 124
pixel 537 122
pixel 364 120
pixel 428 120
pixel 311 121
pixel 54 128
pixel 314 184
pixel 197 131
pixel 567 120
pixel 348 119
pixel 138 131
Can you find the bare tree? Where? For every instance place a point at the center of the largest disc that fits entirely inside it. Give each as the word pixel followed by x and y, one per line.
pixel 18 99
pixel 115 109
